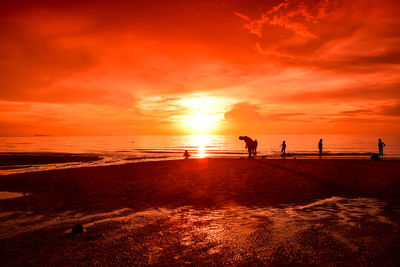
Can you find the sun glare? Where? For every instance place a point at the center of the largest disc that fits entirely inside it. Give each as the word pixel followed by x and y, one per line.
pixel 202 123
pixel 204 114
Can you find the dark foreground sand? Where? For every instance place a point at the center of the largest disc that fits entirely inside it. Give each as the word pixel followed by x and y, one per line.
pixel 206 212
pixel 8 159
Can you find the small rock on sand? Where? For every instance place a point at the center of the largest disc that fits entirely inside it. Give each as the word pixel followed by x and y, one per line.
pixel 78 229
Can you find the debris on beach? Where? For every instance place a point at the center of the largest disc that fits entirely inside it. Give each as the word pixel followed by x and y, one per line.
pixel 78 229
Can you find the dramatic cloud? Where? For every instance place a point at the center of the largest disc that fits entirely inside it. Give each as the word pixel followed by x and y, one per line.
pixel 138 67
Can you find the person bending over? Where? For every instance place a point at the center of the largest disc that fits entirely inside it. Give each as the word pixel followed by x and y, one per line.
pixel 249 144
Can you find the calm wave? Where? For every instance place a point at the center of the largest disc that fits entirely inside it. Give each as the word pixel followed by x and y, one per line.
pixel 199 145
pixel 122 149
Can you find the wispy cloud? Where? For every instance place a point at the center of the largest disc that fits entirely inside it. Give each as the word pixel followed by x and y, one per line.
pixel 75 67
pixel 291 16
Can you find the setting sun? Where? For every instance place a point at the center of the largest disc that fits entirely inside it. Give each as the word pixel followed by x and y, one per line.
pixel 203 114
pixel 202 123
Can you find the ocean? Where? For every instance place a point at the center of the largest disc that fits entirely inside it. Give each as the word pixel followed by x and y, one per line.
pixel 122 149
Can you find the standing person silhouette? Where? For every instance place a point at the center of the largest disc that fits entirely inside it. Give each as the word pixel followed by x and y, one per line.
pixel 381 145
pixel 255 145
pixel 283 145
pixel 320 147
pixel 249 143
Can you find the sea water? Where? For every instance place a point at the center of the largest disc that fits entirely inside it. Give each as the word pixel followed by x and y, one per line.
pixel 122 149
pixel 200 145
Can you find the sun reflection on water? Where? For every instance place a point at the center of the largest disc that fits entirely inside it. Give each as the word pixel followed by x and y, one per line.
pixel 201 141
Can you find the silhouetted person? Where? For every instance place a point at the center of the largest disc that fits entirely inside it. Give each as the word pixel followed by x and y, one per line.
pixel 381 145
pixel 255 145
pixel 186 154
pixel 283 145
pixel 320 147
pixel 249 143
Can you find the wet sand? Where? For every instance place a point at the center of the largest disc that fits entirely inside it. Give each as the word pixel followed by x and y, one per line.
pixel 10 160
pixel 206 211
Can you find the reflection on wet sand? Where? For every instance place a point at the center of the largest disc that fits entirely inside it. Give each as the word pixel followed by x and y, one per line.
pixel 236 230
pixel 8 195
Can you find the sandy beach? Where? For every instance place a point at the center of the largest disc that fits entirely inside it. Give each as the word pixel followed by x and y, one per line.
pixel 205 211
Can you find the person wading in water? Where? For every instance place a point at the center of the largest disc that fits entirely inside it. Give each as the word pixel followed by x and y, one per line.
pixel 320 147
pixel 283 145
pixel 249 144
pixel 381 145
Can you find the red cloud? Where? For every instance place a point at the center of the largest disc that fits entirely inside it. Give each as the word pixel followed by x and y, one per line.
pixel 97 61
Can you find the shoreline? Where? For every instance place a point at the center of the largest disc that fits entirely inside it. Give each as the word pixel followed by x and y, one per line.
pixel 29 162
pixel 31 158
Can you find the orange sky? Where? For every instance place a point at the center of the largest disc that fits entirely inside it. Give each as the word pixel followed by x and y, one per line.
pixel 177 67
